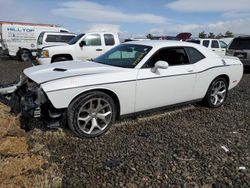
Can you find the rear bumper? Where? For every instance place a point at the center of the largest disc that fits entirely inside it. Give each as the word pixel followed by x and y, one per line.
pixel 44 61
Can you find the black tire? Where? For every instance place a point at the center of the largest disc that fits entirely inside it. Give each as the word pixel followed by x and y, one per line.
pixel 77 104
pixel 25 56
pixel 58 59
pixel 209 98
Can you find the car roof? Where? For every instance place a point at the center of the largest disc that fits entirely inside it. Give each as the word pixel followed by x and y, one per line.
pixel 170 43
pixel 162 43
pixel 201 39
pixel 55 32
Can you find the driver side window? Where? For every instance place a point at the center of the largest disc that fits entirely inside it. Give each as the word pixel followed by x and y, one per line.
pixel 93 40
pixel 173 56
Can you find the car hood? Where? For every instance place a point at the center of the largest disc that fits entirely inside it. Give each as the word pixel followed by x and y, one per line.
pixel 45 73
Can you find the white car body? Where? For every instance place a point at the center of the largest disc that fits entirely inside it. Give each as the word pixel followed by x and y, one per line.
pixel 218 46
pixel 137 89
pixel 130 78
pixel 77 52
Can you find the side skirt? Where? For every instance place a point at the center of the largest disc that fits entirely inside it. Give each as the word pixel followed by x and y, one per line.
pixel 159 109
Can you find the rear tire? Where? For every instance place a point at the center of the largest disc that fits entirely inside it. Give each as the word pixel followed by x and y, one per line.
pixel 91 115
pixel 217 93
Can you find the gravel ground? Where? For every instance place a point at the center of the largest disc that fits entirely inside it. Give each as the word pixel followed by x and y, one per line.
pixel 192 146
pixel 10 70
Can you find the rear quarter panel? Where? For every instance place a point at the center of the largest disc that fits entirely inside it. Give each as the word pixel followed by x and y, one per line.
pixel 208 69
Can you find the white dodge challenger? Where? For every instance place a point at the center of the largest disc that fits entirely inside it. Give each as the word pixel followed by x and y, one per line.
pixel 131 78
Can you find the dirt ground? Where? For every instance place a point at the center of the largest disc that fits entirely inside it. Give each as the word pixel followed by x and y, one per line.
pixel 191 146
pixel 22 162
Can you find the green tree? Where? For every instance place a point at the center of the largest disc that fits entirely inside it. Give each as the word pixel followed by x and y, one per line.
pixel 229 34
pixel 211 35
pixel 202 35
pixel 149 36
pixel 219 36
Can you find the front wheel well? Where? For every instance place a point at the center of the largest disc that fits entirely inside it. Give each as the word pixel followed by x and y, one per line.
pixel 68 56
pixel 109 93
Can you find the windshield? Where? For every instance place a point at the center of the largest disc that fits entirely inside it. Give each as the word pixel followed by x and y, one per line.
pixel 76 38
pixel 240 44
pixel 124 55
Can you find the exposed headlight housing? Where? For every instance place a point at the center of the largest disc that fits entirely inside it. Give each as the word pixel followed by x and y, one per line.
pixel 44 54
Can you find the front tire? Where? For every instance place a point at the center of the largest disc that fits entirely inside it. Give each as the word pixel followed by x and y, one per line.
pixel 217 93
pixel 91 115
pixel 25 56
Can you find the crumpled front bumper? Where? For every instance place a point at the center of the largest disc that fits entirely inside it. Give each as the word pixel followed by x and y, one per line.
pixel 7 89
pixel 24 96
pixel 29 99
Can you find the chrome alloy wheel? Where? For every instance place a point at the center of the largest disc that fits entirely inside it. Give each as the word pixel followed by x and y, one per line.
pixel 218 93
pixel 94 116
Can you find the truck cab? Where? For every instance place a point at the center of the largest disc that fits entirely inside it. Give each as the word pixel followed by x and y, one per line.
pixel 83 47
pixel 218 46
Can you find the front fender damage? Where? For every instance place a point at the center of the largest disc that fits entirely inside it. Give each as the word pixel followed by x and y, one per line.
pixel 28 98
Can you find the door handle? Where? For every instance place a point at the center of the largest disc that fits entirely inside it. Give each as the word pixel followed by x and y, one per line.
pixel 213 50
pixel 99 49
pixel 191 70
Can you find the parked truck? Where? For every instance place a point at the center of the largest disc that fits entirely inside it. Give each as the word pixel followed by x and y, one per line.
pixel 216 45
pixel 83 47
pixel 20 39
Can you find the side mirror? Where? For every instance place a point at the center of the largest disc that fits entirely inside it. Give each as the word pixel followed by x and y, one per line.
pixel 160 65
pixel 82 43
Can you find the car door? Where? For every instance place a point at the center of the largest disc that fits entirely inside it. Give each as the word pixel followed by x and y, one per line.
pixel 223 47
pixel 216 48
pixel 93 47
pixel 166 86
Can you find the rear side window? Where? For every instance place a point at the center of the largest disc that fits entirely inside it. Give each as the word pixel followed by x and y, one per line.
pixel 51 38
pixel 194 55
pixel 59 38
pixel 215 44
pixel 66 38
pixel 240 43
pixel 109 39
pixel 205 43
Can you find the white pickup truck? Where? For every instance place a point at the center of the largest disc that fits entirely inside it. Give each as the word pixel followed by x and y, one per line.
pixel 218 46
pixel 82 47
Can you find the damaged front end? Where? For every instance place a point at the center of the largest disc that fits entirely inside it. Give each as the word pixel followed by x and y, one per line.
pixel 29 99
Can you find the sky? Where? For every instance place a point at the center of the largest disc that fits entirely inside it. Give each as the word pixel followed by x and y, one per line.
pixel 134 18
